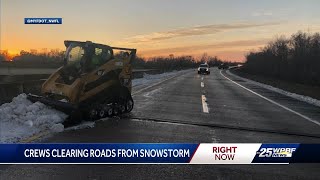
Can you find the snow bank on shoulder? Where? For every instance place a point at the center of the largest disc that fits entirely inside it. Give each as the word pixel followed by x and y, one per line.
pixel 21 118
pixel 299 97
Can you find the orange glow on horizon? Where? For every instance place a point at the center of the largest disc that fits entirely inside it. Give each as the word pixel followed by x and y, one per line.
pixel 9 55
pixel 235 55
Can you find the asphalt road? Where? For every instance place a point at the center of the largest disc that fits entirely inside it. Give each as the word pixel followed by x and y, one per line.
pixel 194 108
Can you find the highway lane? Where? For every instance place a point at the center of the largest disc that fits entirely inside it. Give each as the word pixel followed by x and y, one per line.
pixel 172 111
pixel 238 106
pixel 229 105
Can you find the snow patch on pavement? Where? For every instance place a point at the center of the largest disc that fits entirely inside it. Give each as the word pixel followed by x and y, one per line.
pixel 299 97
pixel 152 93
pixel 152 78
pixel 83 125
pixel 21 118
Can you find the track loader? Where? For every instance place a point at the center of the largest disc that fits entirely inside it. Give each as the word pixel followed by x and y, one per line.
pixel 93 83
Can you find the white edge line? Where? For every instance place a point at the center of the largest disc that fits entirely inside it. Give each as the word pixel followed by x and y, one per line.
pixel 267 99
pixel 293 95
pixel 202 84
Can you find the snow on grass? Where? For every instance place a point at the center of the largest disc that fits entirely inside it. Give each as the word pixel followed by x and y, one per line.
pixel 21 118
pixel 299 97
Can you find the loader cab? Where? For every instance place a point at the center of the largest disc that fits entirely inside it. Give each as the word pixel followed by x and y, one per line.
pixel 84 57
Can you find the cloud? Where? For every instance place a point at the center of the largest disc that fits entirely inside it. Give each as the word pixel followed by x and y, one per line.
pixel 274 12
pixel 262 13
pixel 207 47
pixel 193 31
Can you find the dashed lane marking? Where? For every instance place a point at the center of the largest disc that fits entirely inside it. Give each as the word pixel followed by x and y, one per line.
pixel 205 108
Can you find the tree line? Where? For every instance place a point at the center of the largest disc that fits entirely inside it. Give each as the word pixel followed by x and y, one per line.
pixel 295 59
pixel 54 59
pixel 174 63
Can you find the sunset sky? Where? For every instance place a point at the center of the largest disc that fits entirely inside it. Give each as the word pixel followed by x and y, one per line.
pixel 225 28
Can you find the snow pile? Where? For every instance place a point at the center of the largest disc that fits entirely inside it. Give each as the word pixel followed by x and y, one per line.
pixel 299 97
pixel 21 118
pixel 149 79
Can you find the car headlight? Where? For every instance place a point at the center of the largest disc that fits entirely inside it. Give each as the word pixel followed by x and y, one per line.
pixel 207 69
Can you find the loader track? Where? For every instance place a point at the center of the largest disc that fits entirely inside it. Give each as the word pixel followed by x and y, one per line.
pixel 100 110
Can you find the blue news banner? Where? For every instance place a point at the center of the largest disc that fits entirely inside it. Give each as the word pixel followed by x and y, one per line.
pixel 170 153
pixel 96 153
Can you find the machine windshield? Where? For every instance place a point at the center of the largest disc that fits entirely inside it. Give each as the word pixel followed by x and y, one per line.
pixel 74 54
pixel 87 57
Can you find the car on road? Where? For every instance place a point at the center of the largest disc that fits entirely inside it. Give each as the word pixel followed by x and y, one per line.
pixel 204 69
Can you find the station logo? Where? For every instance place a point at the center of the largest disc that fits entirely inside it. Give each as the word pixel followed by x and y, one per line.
pixel 276 152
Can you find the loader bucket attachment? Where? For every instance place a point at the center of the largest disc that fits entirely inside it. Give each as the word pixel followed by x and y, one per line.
pixel 59 105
